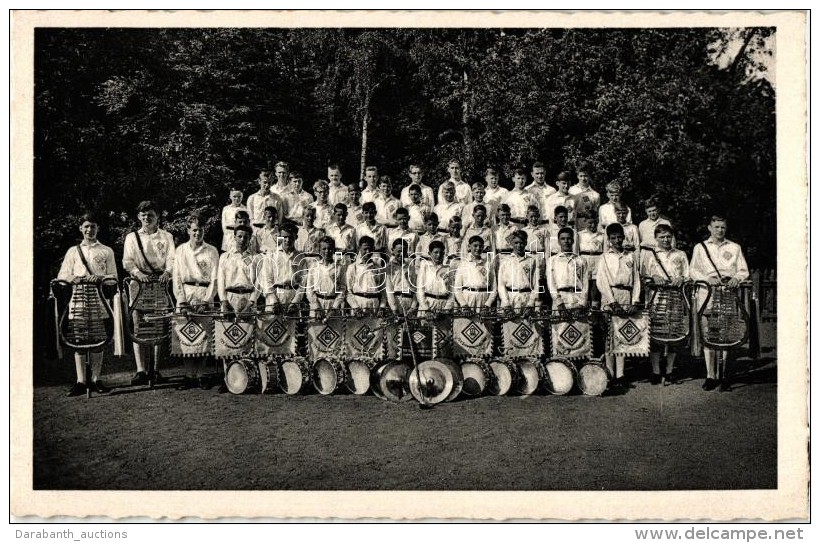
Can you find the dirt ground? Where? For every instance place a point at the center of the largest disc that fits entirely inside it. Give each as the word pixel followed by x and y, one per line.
pixel 650 438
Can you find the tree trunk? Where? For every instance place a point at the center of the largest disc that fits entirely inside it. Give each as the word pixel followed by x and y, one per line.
pixel 465 129
pixel 363 158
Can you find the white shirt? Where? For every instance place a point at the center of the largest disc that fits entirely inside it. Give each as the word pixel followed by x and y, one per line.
pixel 266 240
pixel 378 232
pixel 325 279
pixel 519 201
pixel 567 271
pixel 673 264
pixel 619 269
pixel 344 236
pixel 199 265
pixel 368 194
pixel 647 231
pixel 591 242
pixel 324 214
pixel 585 197
pixel 229 219
pixel 485 233
pixel 307 240
pixel 517 273
pixel 386 209
pixel 236 270
pixel 434 279
pixel 541 193
pixel 100 259
pixel 464 194
pixel 427 196
pixel 557 199
pixel 606 216
pixel 278 269
pixel 446 211
pixel 467 213
pixel 410 236
pixel 502 233
pixel 418 214
pixel 295 204
pixel 496 195
pixel 727 256
pixel 258 202
pixel 355 215
pixel 159 249
pixel 337 194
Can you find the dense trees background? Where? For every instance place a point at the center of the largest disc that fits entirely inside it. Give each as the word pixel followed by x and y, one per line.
pixel 181 115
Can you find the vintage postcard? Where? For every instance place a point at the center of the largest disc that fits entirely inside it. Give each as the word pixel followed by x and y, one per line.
pixel 409 265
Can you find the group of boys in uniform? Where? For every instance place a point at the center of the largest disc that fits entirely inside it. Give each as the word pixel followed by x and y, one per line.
pixel 472 246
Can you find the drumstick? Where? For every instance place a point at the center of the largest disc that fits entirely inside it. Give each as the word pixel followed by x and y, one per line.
pixel 422 384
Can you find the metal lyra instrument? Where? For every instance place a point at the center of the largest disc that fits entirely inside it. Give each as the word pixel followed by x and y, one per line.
pixel 85 316
pixel 724 320
pixel 669 311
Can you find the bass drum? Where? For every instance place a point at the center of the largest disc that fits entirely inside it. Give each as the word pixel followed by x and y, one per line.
pixel 328 376
pixel 391 381
pixel 294 375
pixel 477 376
pixel 558 376
pixel 242 377
pixel 528 375
pixel 358 376
pixel 593 377
pixel 435 381
pixel 505 376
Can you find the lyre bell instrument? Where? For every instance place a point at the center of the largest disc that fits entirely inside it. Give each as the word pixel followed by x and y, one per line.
pixel 85 313
pixel 149 310
pixel 669 311
pixel 727 320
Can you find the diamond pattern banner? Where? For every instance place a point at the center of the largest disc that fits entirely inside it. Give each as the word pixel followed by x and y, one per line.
pixel 630 335
pixel 233 339
pixel 364 338
pixel 571 339
pixel 326 339
pixel 193 336
pixel 522 338
pixel 427 341
pixel 471 337
pixel 275 335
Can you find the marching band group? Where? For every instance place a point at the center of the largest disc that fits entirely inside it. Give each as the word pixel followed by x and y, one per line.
pixel 476 246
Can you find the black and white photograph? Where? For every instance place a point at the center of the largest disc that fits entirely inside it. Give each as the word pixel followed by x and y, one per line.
pixel 422 252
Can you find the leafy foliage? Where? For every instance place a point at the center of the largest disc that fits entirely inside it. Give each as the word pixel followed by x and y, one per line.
pixel 182 115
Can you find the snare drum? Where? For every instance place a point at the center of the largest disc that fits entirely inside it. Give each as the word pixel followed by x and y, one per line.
pixel 505 374
pixel 359 375
pixel 242 377
pixel 593 377
pixel 328 375
pixel 528 375
pixel 294 375
pixel 557 376
pixel 268 373
pixel 477 376
pixel 390 381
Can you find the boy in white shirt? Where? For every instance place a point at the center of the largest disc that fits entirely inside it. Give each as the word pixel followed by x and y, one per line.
pixel 148 256
pixel 494 194
pixel 89 262
pixel 606 213
pixel 716 261
pixel 428 197
pixel 463 195
pixel 229 216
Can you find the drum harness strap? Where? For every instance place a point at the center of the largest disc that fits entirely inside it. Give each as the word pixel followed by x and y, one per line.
pixel 85 262
pixel 663 268
pixel 142 252
pixel 712 262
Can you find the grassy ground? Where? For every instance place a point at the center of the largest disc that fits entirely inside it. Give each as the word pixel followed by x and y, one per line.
pixel 649 438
